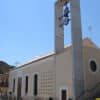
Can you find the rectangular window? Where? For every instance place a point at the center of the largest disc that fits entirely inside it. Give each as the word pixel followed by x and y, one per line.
pixel 14 85
pixel 26 86
pixel 35 84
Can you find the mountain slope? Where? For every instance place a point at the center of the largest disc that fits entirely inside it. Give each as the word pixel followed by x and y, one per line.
pixel 4 67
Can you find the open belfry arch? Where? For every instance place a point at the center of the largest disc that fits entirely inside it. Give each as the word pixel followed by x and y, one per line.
pixel 61 19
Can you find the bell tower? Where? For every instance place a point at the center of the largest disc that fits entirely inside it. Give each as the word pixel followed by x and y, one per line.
pixel 61 19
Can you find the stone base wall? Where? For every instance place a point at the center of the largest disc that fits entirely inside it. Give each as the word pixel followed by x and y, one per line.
pixel 28 98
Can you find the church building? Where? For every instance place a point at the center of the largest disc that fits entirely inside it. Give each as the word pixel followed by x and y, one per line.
pixel 69 72
pixel 50 76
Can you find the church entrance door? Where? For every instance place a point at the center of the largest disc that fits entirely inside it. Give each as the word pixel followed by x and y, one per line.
pixel 64 94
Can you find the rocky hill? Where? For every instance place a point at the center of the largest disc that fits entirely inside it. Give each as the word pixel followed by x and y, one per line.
pixel 4 67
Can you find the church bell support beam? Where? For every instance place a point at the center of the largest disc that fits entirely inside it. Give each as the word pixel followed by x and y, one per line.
pixel 77 58
pixel 59 29
pixel 76 34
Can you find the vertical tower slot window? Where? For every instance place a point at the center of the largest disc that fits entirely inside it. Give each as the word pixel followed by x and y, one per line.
pixel 35 85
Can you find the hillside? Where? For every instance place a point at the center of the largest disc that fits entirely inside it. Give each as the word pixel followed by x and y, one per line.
pixel 4 67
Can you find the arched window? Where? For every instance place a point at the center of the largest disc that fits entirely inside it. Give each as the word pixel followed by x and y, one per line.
pixel 35 85
pixel 26 85
pixel 14 85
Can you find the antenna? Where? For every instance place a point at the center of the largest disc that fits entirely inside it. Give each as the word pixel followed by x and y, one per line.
pixel 90 28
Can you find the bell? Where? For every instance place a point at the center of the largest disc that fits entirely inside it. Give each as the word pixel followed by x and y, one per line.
pixel 66 12
pixel 66 21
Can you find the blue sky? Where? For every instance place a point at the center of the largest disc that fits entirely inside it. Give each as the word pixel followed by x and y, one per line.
pixel 27 28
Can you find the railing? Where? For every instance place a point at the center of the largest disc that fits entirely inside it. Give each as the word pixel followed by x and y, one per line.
pixel 88 91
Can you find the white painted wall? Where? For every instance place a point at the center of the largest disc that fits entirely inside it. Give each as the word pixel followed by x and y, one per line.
pixel 61 68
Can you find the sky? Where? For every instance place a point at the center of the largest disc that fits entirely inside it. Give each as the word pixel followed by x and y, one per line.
pixel 27 28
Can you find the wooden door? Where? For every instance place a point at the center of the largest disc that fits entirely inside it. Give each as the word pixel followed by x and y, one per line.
pixel 64 94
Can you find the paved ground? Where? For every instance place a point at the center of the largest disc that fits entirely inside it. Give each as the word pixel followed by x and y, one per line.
pixel 3 98
pixel 0 98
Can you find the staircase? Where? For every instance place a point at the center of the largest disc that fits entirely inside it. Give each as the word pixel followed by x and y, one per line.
pixel 91 94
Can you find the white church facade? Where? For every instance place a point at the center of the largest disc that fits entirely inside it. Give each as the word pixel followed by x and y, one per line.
pixel 68 73
pixel 50 76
